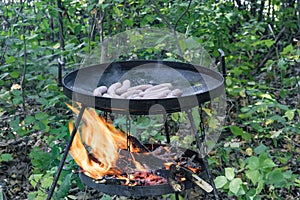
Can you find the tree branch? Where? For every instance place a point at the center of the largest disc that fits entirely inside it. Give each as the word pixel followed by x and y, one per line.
pixel 263 62
pixel 161 15
pixel 169 25
pixel 186 10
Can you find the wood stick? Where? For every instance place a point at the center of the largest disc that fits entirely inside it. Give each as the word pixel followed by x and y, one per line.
pixel 263 62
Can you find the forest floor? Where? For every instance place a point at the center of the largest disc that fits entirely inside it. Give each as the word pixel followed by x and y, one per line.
pixel 14 174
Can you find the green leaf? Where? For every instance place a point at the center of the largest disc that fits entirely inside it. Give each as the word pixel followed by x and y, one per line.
pixel 266 96
pixel 229 173
pixel 32 195
pixel 41 116
pixel 14 74
pixel 106 197
pixel 47 180
pixel 235 185
pixel 192 43
pixel 253 163
pixel 72 197
pixel 253 175
pixel 143 122
pixel 117 11
pixel 290 114
pixel 14 124
pixel 260 186
pixel 287 49
pixel 268 42
pixel 6 157
pixel 236 130
pixel 288 174
pixel 173 197
pixel 77 29
pixel 228 81
pixel 32 37
pixel 70 46
pixel 34 179
pixel 64 187
pixel 239 132
pixel 29 119
pixel 10 59
pixel 220 181
pixel 213 123
pixel 17 100
pixel 276 178
pixel 260 149
pixel 251 194
pixel 56 46
pixel 265 162
pixel 129 22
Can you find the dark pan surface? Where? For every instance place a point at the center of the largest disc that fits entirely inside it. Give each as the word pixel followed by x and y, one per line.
pixel 198 84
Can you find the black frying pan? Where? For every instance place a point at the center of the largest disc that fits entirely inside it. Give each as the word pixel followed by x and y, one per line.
pixel 199 84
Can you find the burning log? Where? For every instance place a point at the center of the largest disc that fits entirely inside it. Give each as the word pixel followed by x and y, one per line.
pixel 111 161
pixel 176 181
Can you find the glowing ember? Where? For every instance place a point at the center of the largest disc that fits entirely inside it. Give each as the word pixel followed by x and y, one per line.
pixel 109 159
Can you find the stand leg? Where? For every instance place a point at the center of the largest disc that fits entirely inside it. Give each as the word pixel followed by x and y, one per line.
pixel 199 141
pixel 177 196
pixel 62 162
pixel 195 131
pixel 166 126
pixel 211 181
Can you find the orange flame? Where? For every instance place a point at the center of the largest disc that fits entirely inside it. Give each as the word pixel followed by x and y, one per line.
pixel 107 153
pixel 105 142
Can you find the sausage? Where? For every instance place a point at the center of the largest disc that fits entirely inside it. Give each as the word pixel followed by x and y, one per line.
pixel 125 86
pixel 154 92
pixel 106 95
pixel 112 89
pixel 129 93
pixel 159 95
pixel 171 96
pixel 140 87
pixel 99 91
pixel 176 92
pixel 163 85
pixel 134 96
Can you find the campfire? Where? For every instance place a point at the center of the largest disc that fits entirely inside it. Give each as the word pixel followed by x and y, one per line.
pixel 109 156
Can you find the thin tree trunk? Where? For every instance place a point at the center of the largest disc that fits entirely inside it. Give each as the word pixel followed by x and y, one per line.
pixel 24 73
pixel 239 4
pixel 269 10
pixel 51 24
pixel 261 11
pixel 104 45
pixel 61 28
pixel 253 8
pixel 298 9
